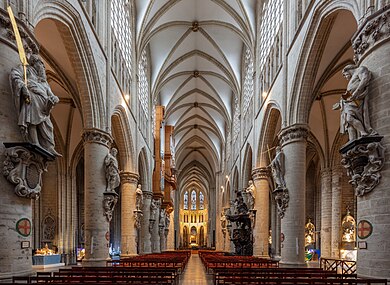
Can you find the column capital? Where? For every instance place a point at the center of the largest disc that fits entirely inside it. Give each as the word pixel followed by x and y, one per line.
pixel 261 173
pixel 148 195
pixel 129 177
pixel 326 172
pixel 296 132
pixel 373 31
pixel 97 136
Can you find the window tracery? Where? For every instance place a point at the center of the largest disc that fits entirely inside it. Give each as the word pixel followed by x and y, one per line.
pixel 143 85
pixel 120 23
pixel 248 88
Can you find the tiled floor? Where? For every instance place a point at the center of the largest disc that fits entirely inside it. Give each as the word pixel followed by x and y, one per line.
pixel 195 273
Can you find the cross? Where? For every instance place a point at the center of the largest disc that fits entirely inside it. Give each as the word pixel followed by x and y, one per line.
pixel 24 227
pixel 364 229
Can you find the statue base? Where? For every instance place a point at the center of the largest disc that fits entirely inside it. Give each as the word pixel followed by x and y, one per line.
pixel 23 166
pixel 32 147
pixel 363 158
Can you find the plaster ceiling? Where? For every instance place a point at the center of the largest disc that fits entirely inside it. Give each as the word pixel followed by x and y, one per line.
pixel 195 50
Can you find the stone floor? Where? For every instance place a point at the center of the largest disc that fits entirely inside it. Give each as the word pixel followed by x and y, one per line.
pixel 195 273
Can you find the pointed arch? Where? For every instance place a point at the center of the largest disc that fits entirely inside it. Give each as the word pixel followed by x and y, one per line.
pixel 307 66
pixel 122 135
pixel 75 37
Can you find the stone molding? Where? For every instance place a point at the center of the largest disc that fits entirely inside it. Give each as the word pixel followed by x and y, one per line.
pixel 297 132
pixel 129 177
pixel 374 30
pixel 261 173
pixel 24 168
pixel 97 136
pixel 7 33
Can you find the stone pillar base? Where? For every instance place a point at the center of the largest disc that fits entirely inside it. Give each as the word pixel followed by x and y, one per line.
pixel 292 264
pixel 128 255
pixel 9 275
pixel 94 262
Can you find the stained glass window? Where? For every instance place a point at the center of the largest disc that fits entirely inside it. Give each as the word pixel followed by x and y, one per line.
pixel 201 201
pixel 193 200
pixel 186 200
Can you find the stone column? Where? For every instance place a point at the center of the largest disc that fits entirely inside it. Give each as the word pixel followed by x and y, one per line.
pixel 171 232
pixel 155 229
pixel 326 212
pixel 261 230
pixel 293 142
pixel 129 182
pixel 371 44
pixel 337 174
pixel 96 145
pixel 145 232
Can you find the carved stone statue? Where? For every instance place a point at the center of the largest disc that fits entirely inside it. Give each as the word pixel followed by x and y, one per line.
pixel 109 203
pixel 162 218
pixel 112 170
pixel 250 197
pixel 354 103
pixel 139 197
pixel 153 210
pixel 34 103
pixel 277 167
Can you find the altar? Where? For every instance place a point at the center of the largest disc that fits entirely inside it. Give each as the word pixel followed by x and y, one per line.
pixel 46 261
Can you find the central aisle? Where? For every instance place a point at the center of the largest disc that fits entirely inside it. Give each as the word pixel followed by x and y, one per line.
pixel 195 273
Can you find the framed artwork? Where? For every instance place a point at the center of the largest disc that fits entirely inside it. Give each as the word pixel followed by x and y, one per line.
pixel 362 245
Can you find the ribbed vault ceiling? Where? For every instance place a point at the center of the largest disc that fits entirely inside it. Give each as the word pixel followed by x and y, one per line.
pixel 196 49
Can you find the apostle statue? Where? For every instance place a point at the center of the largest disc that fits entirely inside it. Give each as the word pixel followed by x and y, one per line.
pixel 112 170
pixel 354 103
pixel 34 101
pixel 139 197
pixel 277 167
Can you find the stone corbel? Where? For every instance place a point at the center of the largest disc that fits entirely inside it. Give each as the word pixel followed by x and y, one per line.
pixel 109 201
pixel 24 168
pixel 364 158
pixel 137 218
pixel 282 198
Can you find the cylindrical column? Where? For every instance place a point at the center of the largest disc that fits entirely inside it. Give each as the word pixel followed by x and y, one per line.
pixel 96 145
pixel 155 228
pixel 293 142
pixel 336 211
pixel 326 212
pixel 372 49
pixel 171 231
pixel 145 232
pixel 129 182
pixel 261 230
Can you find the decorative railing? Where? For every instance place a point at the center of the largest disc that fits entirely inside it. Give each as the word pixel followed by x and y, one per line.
pixel 341 266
